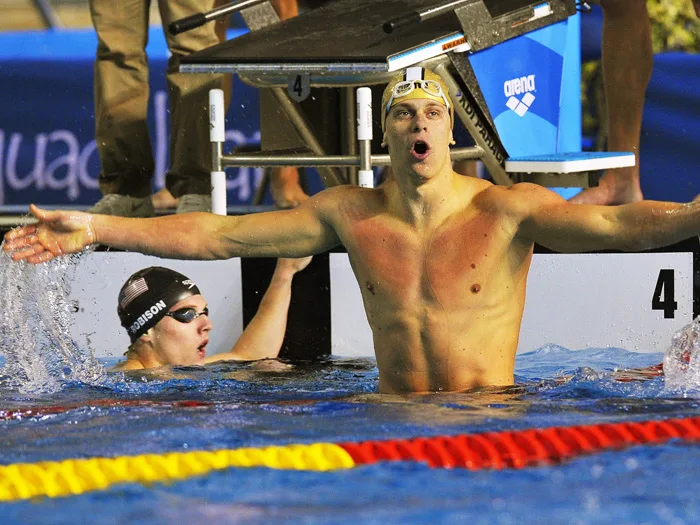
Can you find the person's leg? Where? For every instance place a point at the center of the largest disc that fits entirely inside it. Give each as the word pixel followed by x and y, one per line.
pixel 121 100
pixel 190 149
pixel 220 27
pixel 163 199
pixel 284 182
pixel 285 187
pixel 627 67
pixel 286 8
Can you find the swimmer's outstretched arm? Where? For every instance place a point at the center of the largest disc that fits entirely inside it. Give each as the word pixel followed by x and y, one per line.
pixel 302 231
pixel 547 219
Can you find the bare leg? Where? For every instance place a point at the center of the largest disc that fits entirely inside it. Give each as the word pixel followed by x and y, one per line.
pixel 286 8
pixel 220 27
pixel 285 188
pixel 627 67
pixel 164 200
pixel 284 182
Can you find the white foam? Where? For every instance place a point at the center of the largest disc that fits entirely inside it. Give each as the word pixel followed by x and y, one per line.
pixel 35 336
pixel 682 359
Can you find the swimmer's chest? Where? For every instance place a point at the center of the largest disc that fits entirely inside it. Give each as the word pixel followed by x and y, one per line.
pixel 462 254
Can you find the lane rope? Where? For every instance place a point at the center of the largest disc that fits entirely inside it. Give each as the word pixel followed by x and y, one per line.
pixel 490 450
pixel 50 410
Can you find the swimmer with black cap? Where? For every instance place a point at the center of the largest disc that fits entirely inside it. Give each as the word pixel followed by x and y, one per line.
pixel 167 319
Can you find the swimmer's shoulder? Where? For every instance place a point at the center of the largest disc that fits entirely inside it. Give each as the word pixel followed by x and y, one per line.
pixel 331 199
pixel 347 190
pixel 126 365
pixel 518 199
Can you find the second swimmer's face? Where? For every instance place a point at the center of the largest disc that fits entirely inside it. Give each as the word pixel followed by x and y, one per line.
pixel 181 343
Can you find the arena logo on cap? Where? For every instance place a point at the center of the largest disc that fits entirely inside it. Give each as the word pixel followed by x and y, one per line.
pixel 146 316
pixel 189 283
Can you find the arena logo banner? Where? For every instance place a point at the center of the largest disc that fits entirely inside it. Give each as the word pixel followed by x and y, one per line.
pixel 523 93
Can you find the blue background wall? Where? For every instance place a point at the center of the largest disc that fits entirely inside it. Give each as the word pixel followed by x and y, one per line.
pixel 48 156
pixel 670 145
pixel 47 148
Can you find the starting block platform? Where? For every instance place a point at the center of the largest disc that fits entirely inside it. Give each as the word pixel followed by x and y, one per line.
pixel 558 167
pixel 516 114
pixel 570 162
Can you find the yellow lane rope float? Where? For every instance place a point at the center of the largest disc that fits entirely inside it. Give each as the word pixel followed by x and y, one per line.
pixel 76 476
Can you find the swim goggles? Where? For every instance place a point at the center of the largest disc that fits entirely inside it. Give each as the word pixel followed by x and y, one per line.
pixel 187 315
pixel 431 87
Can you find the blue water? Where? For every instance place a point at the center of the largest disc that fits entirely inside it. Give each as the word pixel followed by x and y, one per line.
pixel 336 400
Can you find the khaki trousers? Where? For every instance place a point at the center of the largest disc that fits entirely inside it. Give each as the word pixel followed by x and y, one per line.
pixel 122 93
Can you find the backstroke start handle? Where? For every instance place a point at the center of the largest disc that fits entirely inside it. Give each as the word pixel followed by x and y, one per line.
pixel 409 19
pixel 187 23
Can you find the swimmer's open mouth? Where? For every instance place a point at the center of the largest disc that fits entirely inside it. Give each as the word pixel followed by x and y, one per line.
pixel 202 349
pixel 420 149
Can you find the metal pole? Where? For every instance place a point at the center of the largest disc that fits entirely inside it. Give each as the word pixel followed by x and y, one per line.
pixel 271 161
pixel 416 17
pixel 48 15
pixel 217 136
pixel 199 19
pixel 495 167
pixel 348 129
pixel 330 176
pixel 364 136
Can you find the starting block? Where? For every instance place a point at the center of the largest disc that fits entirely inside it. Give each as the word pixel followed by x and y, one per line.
pixel 569 162
pixel 550 170
pixel 516 112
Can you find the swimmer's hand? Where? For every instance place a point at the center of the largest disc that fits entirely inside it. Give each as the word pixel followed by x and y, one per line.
pixel 56 233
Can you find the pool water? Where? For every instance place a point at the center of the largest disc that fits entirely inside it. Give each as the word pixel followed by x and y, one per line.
pixel 277 403
pixel 57 402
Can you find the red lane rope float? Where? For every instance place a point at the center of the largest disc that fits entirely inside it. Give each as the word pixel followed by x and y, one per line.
pixel 39 411
pixel 522 448
pixel 491 450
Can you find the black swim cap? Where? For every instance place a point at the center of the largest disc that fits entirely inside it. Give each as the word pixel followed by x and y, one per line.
pixel 147 296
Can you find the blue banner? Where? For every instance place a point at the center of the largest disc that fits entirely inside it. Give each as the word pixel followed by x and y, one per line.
pixel 48 153
pixel 523 82
pixel 671 128
pixel 47 148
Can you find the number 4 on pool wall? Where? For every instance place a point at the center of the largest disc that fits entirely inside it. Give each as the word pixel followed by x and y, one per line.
pixel 665 283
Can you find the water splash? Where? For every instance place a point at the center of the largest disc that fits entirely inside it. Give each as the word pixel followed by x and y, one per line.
pixel 682 359
pixel 35 321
